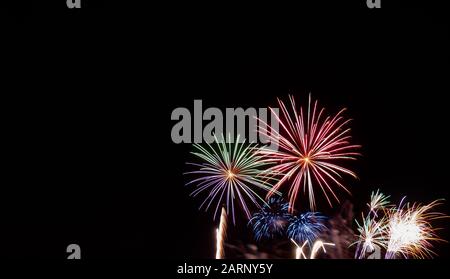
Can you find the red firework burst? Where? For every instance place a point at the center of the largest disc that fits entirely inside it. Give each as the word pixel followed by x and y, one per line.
pixel 310 148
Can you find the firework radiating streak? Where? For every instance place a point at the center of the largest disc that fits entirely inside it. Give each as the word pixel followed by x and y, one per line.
pixel 229 172
pixel 378 201
pixel 372 232
pixel 410 232
pixel 309 151
pixel 221 234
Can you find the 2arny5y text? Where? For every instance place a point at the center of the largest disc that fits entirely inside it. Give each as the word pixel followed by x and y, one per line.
pixel 206 270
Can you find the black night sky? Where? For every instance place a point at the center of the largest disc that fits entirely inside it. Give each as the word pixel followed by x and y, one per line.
pixel 87 98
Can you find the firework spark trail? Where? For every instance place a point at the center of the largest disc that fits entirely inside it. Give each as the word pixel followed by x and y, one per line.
pixel 310 148
pixel 315 248
pixel 410 231
pixel 319 244
pixel 221 234
pixel 299 250
pixel 229 172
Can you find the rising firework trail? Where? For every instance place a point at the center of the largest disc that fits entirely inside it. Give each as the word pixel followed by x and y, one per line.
pixel 317 245
pixel 299 250
pixel 221 234
pixel 311 149
pixel 315 248
pixel 229 171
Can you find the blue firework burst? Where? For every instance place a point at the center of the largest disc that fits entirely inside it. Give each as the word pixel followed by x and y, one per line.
pixel 271 220
pixel 306 227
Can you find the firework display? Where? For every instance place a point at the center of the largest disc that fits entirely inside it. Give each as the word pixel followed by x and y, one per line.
pixel 410 231
pixel 371 235
pixel 229 172
pixel 272 220
pixel 208 139
pixel 404 230
pixel 372 231
pixel 306 227
pixel 311 148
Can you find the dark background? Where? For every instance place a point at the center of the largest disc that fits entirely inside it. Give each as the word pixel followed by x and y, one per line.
pixel 87 97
